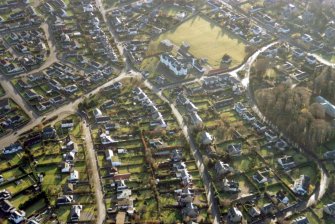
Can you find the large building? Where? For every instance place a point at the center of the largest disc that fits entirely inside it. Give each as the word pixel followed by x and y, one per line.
pixel 177 67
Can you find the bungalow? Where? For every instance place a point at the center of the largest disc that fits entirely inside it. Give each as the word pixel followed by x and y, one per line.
pixel 126 204
pixel 259 126
pixel 301 185
pixel 190 210
pixel 239 108
pixel 99 117
pixel 5 195
pixel 6 206
pixel 234 215
pixel 281 145
pixel 329 155
pixel 286 162
pixel 268 209
pixel 31 94
pixel 13 148
pixel 17 216
pixel 301 220
pixel 230 186
pixel 65 200
pixel 71 88
pixel 68 123
pixel 74 176
pixel 310 59
pixel 49 132
pixel 195 118
pixel 123 194
pixel 75 212
pixel 248 116
pixel 261 177
pixel 66 168
pixel 207 138
pixel 329 209
pixel 222 168
pixel 234 149
pixel 254 212
pixel 270 135
pixel 307 38
pixel 106 139
pixel 185 177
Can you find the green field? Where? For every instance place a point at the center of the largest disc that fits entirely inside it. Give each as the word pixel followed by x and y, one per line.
pixel 206 40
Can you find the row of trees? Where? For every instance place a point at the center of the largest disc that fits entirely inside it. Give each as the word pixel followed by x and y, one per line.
pixel 324 83
pixel 290 109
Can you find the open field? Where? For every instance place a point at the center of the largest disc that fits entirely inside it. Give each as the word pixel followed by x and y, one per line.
pixel 206 40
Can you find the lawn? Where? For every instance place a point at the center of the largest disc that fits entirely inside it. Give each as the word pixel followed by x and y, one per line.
pixel 206 40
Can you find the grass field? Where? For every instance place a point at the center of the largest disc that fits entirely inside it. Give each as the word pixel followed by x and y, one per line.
pixel 206 40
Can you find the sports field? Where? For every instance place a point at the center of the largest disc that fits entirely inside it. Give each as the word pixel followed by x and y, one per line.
pixel 206 40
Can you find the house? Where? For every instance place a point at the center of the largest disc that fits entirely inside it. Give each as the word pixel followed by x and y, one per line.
pixel 17 216
pixel 109 104
pixel 329 33
pixel 66 167
pixel 311 60
pixel 13 148
pixel 329 209
pixel 260 177
pixel 5 195
pixel 254 212
pixel 177 67
pixel 286 162
pixel 185 177
pixel 184 196
pixel 207 138
pixel 111 126
pixel 307 38
pixel 75 212
pixel 234 215
pixel 31 94
pixel 281 197
pixel 5 104
pixel 270 135
pixel 301 220
pixel 49 132
pixel 301 185
pixel 329 107
pixel 6 206
pixel 106 139
pixel 179 166
pixel 234 149
pixel 190 210
pixel 222 168
pixel 281 145
pixel 123 194
pixel 176 155
pixel 268 208
pixel 248 116
pixel 195 118
pixel 74 176
pixel 126 204
pixel 65 200
pixel 259 126
pixel 70 156
pixel 99 117
pixel 239 108
pixel 68 123
pixel 329 155
pixel 230 186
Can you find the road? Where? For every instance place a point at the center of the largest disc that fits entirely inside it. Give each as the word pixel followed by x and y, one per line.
pixel 215 211
pixel 61 111
pixel 324 180
pixel 95 178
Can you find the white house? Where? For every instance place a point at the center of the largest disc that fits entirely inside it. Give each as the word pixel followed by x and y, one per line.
pixel 74 176
pixel 177 67
pixel 13 148
pixel 17 216
pixel 301 185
